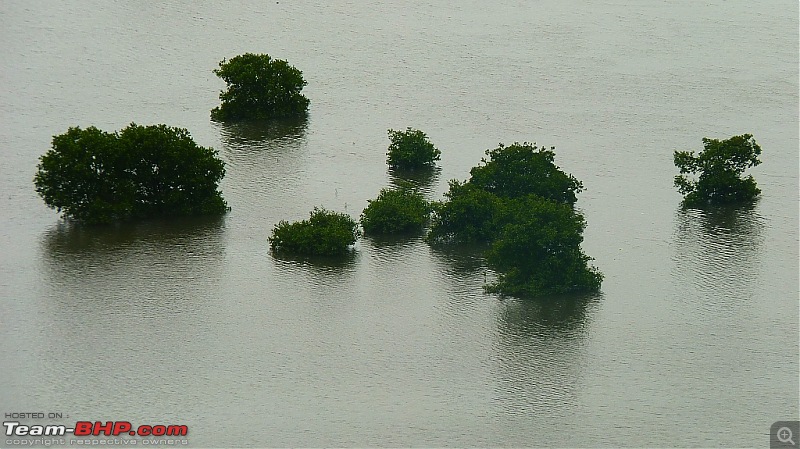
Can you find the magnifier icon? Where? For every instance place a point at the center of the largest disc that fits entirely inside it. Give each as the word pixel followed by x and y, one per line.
pixel 784 435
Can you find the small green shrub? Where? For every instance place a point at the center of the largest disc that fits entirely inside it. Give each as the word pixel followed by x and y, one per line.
pixel 142 171
pixel 720 166
pixel 395 211
pixel 410 149
pixel 259 87
pixel 325 233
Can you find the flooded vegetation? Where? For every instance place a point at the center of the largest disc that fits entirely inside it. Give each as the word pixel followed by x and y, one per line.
pixel 691 340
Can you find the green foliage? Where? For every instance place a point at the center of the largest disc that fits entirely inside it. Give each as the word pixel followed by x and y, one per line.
pixel 521 204
pixel 395 211
pixel 141 171
pixel 474 211
pixel 720 166
pixel 411 149
pixel 325 233
pixel 468 215
pixel 538 251
pixel 524 169
pixel 259 87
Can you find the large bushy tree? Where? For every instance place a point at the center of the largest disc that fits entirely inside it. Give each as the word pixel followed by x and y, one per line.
pixel 325 233
pixel 475 210
pixel 259 87
pixel 142 171
pixel 718 170
pixel 520 204
pixel 522 169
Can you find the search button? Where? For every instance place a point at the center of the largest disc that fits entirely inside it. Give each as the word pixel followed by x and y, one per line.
pixel 783 434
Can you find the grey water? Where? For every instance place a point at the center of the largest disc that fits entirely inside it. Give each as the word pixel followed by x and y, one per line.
pixel 693 340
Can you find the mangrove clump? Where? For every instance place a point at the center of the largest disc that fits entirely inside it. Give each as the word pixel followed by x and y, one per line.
pixel 141 171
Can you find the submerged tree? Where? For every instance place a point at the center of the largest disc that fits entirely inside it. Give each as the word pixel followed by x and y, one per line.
pixel 521 204
pixel 523 169
pixel 467 215
pixel 395 211
pixel 411 149
pixel 538 251
pixel 325 233
pixel 142 171
pixel 259 87
pixel 718 168
pixel 475 210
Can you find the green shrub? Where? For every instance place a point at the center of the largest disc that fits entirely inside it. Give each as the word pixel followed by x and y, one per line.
pixel 538 251
pixel 521 204
pixel 142 171
pixel 325 233
pixel 523 169
pixel 468 215
pixel 395 211
pixel 410 149
pixel 259 87
pixel 720 166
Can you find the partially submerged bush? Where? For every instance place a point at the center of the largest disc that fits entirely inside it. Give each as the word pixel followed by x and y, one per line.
pixel 521 204
pixel 468 215
pixel 259 87
pixel 411 149
pixel 475 211
pixel 538 251
pixel 142 171
pixel 523 169
pixel 720 166
pixel 395 211
pixel 325 233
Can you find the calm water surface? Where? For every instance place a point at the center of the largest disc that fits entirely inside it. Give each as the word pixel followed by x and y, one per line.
pixel 693 340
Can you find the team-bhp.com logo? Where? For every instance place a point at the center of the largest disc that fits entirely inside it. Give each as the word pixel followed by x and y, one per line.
pixel 97 428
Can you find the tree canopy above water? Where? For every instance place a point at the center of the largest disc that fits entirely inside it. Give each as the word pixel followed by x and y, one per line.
pixel 395 211
pixel 259 87
pixel 520 204
pixel 538 252
pixel 411 149
pixel 719 168
pixel 142 171
pixel 523 169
